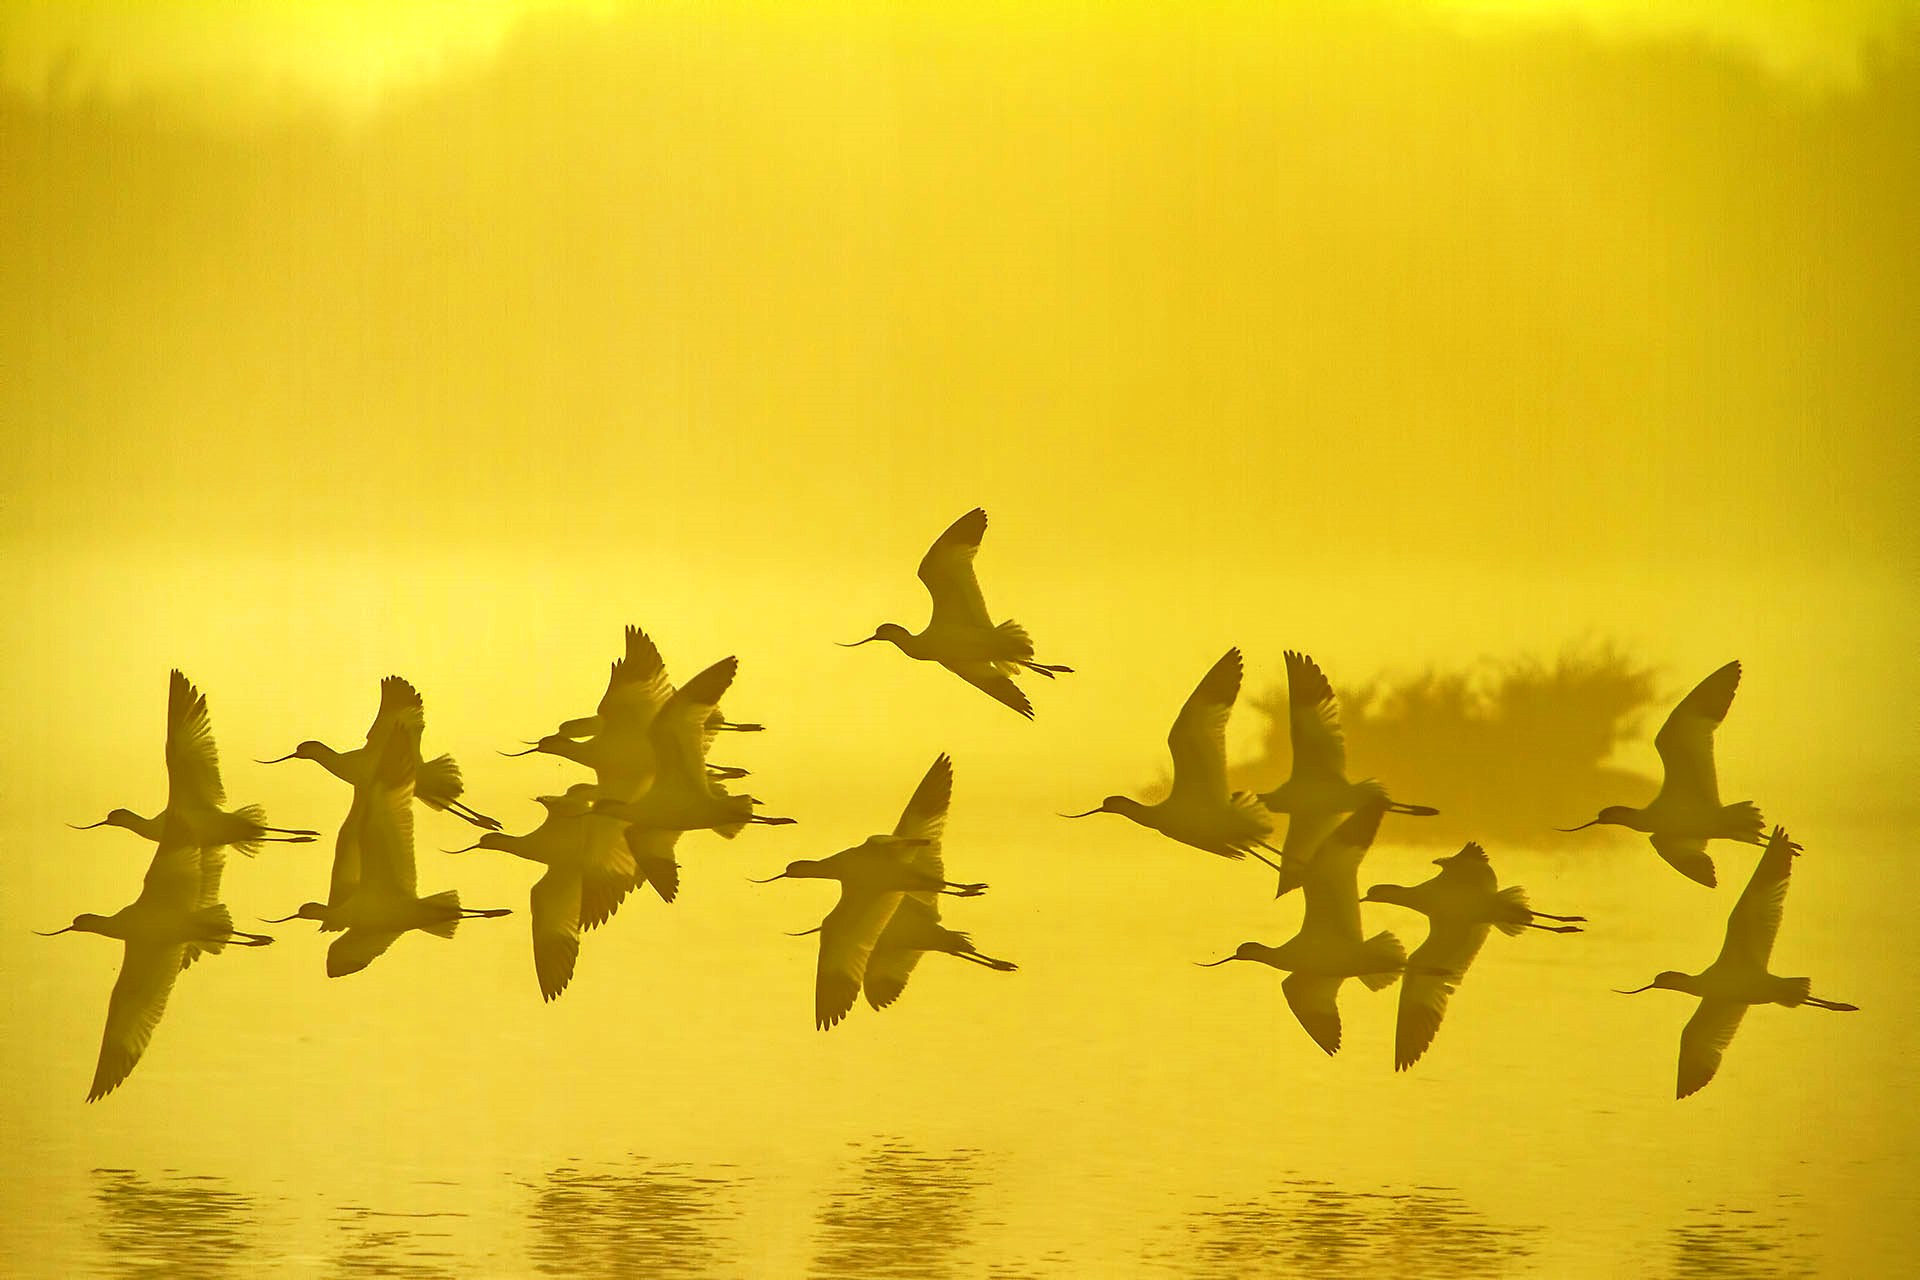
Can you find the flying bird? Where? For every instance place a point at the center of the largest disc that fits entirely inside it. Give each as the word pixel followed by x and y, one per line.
pixel 1687 811
pixel 384 901
pixel 437 783
pixel 1460 903
pixel 1329 948
pixel 914 928
pixel 175 918
pixel 961 636
pixel 196 800
pixel 1198 810
pixel 874 876
pixel 1316 793
pixel 1738 977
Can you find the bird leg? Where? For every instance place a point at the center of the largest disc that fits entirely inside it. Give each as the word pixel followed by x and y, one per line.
pixel 292 831
pixel 237 938
pixel 1415 810
pixel 1263 857
pixel 1544 915
pixel 483 913
pixel 963 890
pixel 1000 966
pixel 1556 928
pixel 1835 1005
pixel 470 814
pixel 764 820
pixel 1044 669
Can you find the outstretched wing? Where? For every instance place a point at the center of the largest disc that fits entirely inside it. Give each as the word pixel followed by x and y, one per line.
pixel 947 569
pixel 1755 920
pixel 1198 740
pixel 637 685
pixel 993 682
pixel 918 913
pixel 1685 741
pixel 555 906
pixel 193 764
pixel 396 695
pixel 133 1011
pixel 681 731
pixel 1313 722
pixel 1688 856
pixel 355 949
pixel 386 820
pixel 1314 1002
pixel 847 936
pixel 1433 971
pixel 1332 890
pixel 1705 1039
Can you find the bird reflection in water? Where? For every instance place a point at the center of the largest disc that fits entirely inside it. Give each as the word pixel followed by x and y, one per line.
pixel 663 1221
pixel 377 1243
pixel 1736 1242
pixel 174 1226
pixel 904 1212
pixel 1312 1228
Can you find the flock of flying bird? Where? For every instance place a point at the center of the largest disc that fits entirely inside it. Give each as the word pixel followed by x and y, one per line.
pixel 647 745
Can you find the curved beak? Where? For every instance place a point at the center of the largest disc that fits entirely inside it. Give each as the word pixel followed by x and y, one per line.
pixel 1582 827
pixel 281 920
pixel 277 759
pixel 1088 814
pixel 1212 964
pixel 857 643
pixel 768 880
pixel 1636 991
pixel 529 751
pixel 469 849
pixel 804 932
pixel 56 933
pixel 90 826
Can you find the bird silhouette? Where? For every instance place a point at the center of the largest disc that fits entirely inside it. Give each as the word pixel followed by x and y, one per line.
pixel 1738 977
pixel 437 783
pixel 1687 811
pixel 176 917
pixel 1460 904
pixel 1198 810
pixel 961 635
pixel 1329 948
pixel 1316 793
pixel 195 797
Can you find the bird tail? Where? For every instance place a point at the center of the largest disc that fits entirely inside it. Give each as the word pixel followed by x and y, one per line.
pixel 437 781
pixel 1384 959
pixel 256 819
pixel 742 806
pixel 1514 911
pixel 1011 644
pixel 1741 822
pixel 447 901
pixel 215 924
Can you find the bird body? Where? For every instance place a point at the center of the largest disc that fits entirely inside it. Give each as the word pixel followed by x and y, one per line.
pixel 1687 812
pixel 961 635
pixel 1330 948
pixel 1461 903
pixel 437 782
pixel 1316 794
pixel 1198 809
pixel 1738 977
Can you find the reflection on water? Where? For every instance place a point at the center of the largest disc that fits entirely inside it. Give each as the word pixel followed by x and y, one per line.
pixel 373 1243
pixel 1310 1228
pixel 176 1226
pixel 906 1213
pixel 1737 1242
pixel 661 1222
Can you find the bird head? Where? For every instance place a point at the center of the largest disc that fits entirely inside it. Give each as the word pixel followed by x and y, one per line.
pixel 308 750
pixel 1614 815
pixel 891 632
pixel 117 818
pixel 307 911
pixel 1245 951
pixel 1112 804
pixel 1666 980
pixel 83 923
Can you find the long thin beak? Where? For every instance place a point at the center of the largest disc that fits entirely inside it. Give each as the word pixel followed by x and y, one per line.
pixel 1582 827
pixel 857 643
pixel 804 932
pixel 1088 814
pixel 768 880
pixel 1212 964
pixel 281 920
pixel 276 760
pixel 469 849
pixel 529 751
pixel 56 933
pixel 1636 991
pixel 90 826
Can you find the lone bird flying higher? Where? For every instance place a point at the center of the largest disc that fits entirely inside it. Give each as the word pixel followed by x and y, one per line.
pixel 1687 812
pixel 1738 978
pixel 961 636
